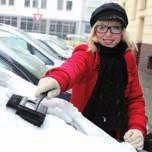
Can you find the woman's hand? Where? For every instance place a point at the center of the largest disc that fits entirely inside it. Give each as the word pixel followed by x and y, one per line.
pixel 135 138
pixel 49 85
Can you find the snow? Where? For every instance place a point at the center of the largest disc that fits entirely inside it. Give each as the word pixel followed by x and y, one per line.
pixel 64 128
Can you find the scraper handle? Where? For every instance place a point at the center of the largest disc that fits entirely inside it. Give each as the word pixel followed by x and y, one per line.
pixel 41 97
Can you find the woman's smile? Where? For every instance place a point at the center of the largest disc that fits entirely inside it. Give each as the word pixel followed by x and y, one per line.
pixel 107 41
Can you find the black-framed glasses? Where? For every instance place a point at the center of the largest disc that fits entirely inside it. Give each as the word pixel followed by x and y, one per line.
pixel 104 29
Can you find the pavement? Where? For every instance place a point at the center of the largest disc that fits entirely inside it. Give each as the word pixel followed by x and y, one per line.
pixel 146 82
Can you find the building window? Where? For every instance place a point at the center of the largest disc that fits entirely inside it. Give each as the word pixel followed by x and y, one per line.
pixel 52 28
pixel 62 28
pixel 59 27
pixel 11 2
pixel 35 4
pixel 3 2
pixel 69 5
pixel 43 3
pixel 149 65
pixel 60 5
pixel 87 28
pixel 29 25
pixel 9 20
pixel 27 3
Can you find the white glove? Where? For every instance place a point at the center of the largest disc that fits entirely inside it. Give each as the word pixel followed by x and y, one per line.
pixel 46 84
pixel 135 138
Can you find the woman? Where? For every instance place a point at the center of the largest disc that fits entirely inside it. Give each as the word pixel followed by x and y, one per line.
pixel 103 77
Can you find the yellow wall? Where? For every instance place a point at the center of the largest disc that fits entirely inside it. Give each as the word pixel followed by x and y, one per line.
pixel 140 19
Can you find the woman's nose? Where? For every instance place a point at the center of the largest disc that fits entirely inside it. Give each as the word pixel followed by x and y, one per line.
pixel 108 32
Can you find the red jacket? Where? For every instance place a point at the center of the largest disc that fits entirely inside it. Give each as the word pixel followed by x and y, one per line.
pixel 79 73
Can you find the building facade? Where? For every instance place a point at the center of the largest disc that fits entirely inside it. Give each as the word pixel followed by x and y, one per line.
pixel 140 29
pixel 58 17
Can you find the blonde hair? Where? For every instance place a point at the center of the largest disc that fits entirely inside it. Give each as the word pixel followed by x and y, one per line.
pixel 92 39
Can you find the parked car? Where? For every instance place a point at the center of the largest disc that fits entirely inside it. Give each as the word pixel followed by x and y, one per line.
pixel 17 38
pixel 24 64
pixel 55 132
pixel 56 45
pixel 75 39
pixel 52 38
pixel 61 43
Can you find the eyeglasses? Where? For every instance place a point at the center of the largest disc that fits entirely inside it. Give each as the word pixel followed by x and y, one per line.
pixel 104 29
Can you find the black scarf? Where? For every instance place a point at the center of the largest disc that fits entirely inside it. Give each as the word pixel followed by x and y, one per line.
pixel 106 107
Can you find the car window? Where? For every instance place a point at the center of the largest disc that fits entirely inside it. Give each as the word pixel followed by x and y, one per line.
pixel 15 42
pixel 22 46
pixel 37 53
pixel 51 50
pixel 39 39
pixel 38 43
pixel 59 50
pixel 4 65
pixel 31 63
pixel 28 61
pixel 59 42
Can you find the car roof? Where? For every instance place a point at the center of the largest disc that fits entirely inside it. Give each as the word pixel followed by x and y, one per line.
pixel 41 36
pixel 75 36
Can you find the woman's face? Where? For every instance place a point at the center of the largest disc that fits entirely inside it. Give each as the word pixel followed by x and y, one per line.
pixel 108 33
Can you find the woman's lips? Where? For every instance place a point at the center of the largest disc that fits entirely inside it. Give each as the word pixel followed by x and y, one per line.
pixel 107 41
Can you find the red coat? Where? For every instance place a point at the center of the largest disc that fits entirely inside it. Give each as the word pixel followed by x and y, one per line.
pixel 79 73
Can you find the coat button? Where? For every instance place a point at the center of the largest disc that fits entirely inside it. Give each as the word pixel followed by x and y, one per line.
pixel 104 119
pixel 117 101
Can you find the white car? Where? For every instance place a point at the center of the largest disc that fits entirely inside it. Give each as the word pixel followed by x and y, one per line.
pixel 22 62
pixel 56 45
pixel 15 37
pixel 64 128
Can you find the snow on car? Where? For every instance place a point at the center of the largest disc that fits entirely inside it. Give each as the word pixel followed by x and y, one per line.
pixel 64 128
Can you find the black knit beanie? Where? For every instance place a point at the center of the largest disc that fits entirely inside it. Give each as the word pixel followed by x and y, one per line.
pixel 110 11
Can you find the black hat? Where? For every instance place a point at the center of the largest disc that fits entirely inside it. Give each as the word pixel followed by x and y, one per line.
pixel 109 11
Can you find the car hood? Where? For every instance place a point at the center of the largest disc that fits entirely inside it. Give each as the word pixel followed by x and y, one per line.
pixel 54 133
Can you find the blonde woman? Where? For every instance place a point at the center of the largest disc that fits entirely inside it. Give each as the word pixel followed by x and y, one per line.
pixel 103 77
